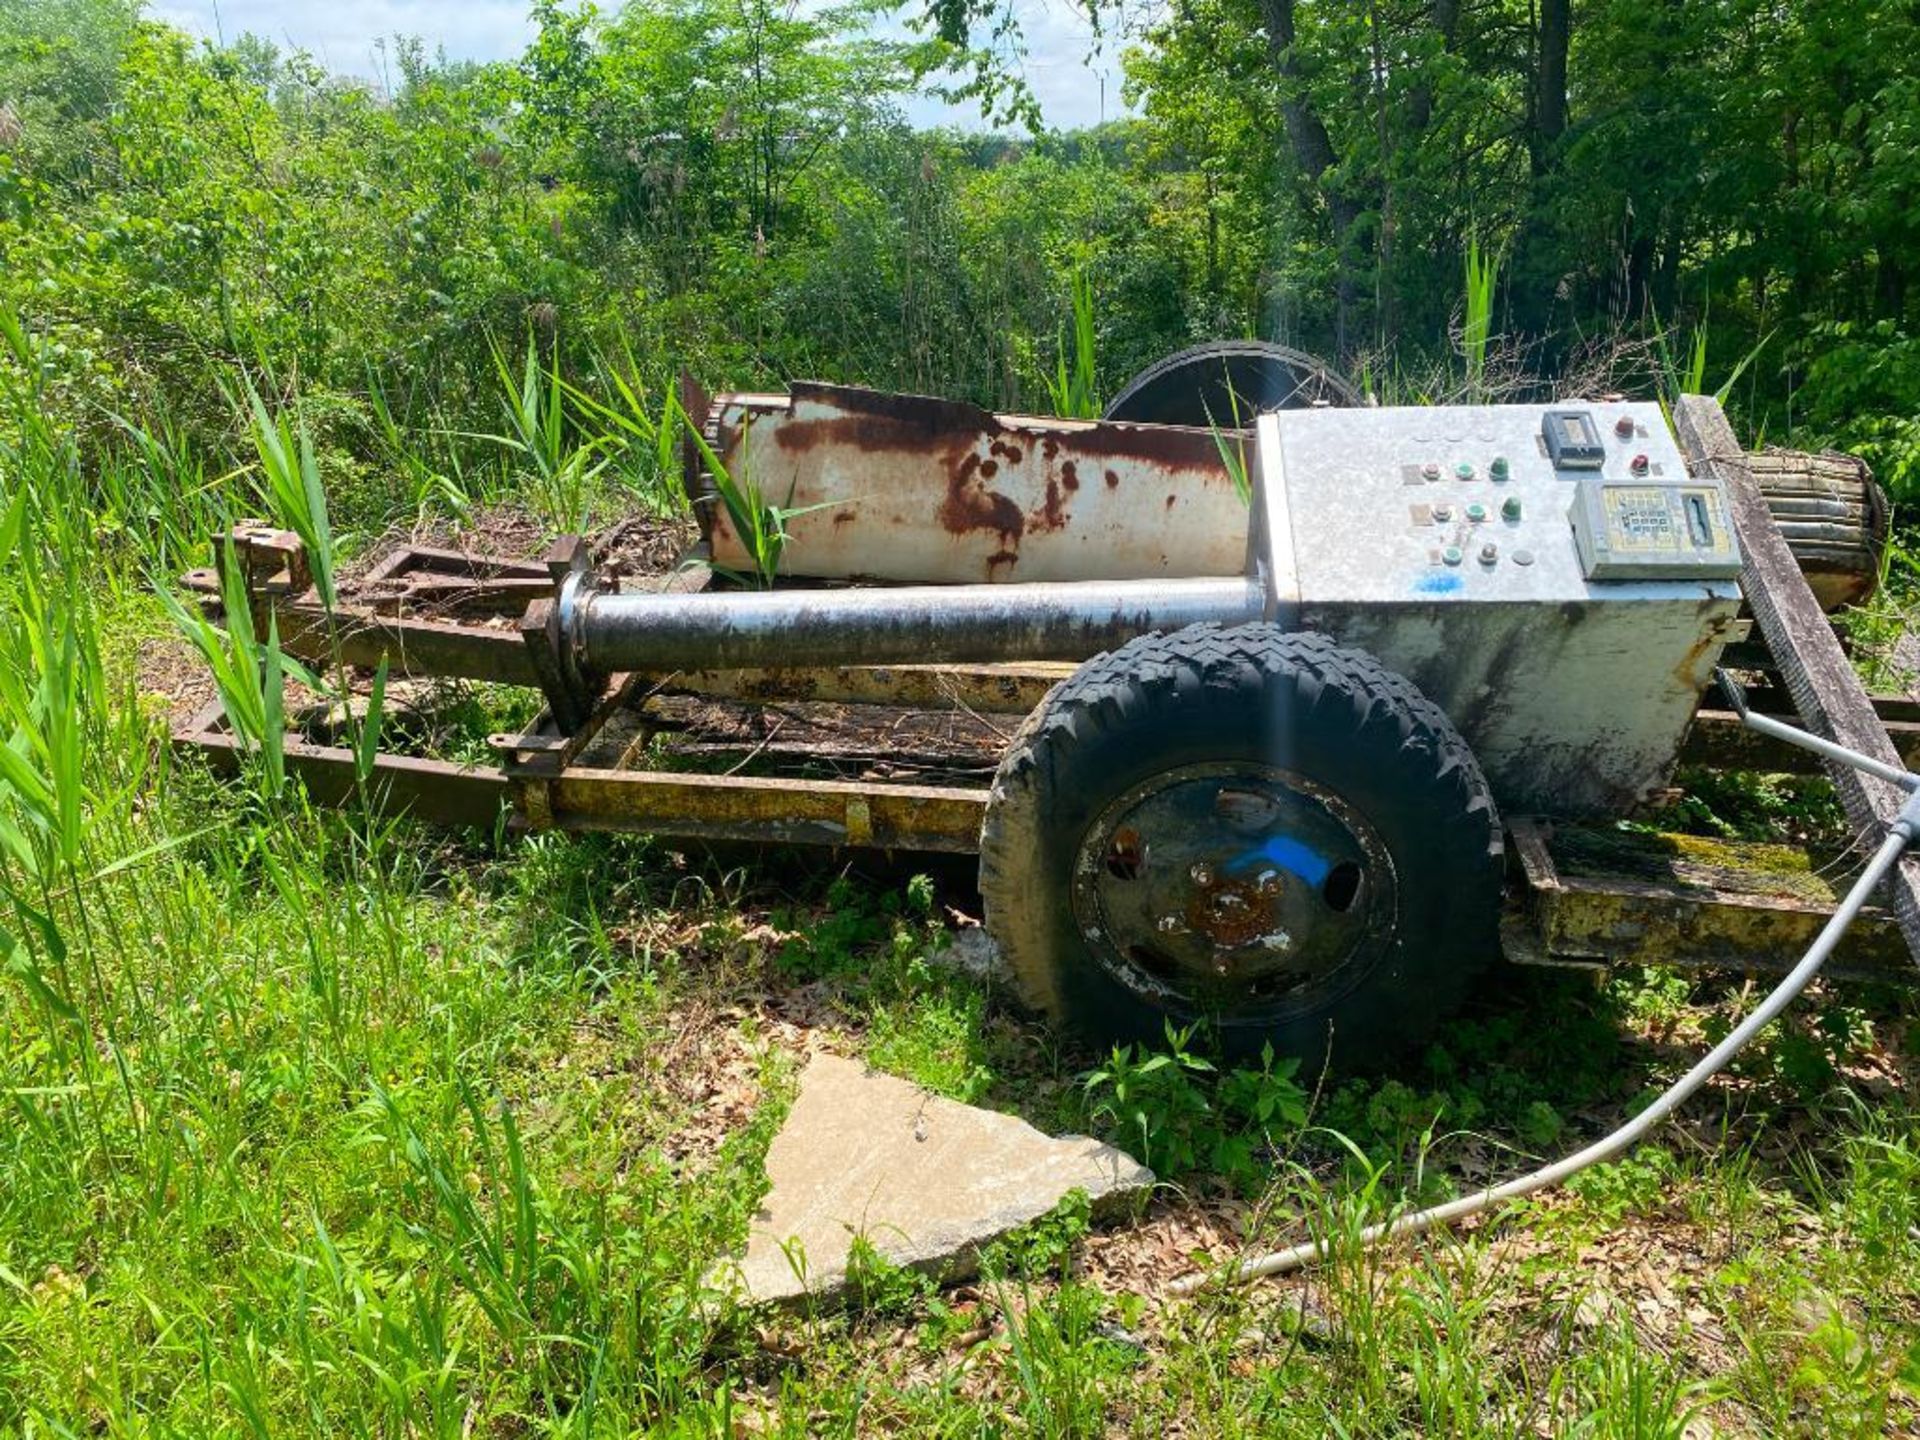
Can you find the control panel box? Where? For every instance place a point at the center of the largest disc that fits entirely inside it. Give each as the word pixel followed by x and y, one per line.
pixel 1550 575
pixel 1631 530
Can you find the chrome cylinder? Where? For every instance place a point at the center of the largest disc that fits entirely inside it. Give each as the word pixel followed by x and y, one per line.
pixel 920 624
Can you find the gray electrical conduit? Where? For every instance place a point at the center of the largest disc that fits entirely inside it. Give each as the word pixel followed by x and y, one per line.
pixel 1900 834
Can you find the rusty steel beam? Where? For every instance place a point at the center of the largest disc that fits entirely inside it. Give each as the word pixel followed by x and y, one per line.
pixel 740 807
pixel 420 649
pixel 430 790
pixel 1601 921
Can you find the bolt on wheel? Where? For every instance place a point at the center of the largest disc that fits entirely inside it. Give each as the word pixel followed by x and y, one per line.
pixel 1232 888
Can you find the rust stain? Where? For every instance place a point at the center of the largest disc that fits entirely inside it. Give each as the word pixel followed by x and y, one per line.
pixel 985 481
pixel 1052 514
pixel 1170 500
pixel 1691 673
pixel 971 506
pixel 870 420
pixel 1231 912
pixel 874 420
pixel 1168 447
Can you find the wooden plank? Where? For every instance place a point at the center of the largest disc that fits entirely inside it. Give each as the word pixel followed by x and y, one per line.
pixel 1826 692
pixel 1906 663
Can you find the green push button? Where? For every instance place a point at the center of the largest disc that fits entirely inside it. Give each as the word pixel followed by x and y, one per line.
pixel 1452 555
pixel 1498 469
pixel 1463 471
pixel 1510 508
pixel 1476 512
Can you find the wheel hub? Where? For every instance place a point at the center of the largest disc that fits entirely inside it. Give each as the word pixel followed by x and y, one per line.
pixel 1233 888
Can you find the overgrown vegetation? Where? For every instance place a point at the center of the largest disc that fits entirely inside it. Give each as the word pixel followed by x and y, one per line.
pixel 730 188
pixel 314 1123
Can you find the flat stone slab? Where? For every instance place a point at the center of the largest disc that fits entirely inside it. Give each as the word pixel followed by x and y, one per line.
pixel 924 1180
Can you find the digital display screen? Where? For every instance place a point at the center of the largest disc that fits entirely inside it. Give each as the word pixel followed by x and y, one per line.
pixel 1573 440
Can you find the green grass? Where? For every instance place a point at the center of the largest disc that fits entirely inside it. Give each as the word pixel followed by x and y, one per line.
pixel 316 1125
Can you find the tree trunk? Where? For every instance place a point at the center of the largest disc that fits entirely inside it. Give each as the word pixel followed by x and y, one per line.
pixel 1445 15
pixel 1550 82
pixel 1383 296
pixel 1546 125
pixel 1891 283
pixel 1313 151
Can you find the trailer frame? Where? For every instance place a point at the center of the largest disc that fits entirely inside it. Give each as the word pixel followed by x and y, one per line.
pixel 436 612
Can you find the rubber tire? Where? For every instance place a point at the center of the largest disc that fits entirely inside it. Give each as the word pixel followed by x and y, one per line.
pixel 1206 694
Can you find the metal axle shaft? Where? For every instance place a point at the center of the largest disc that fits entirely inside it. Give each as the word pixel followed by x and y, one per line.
pixel 919 624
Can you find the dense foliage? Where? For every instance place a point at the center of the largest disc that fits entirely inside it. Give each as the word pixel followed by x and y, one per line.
pixel 729 186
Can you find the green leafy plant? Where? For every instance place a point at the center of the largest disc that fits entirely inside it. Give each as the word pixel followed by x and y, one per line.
pixel 760 525
pixel 1630 1391
pixel 1482 280
pixel 248 673
pixel 562 471
pixel 1634 1185
pixel 1062 1356
pixel 641 445
pixel 1231 444
pixel 290 485
pixel 1074 387
pixel 429 485
pixel 1185 1116
pixel 880 1288
pixel 1689 376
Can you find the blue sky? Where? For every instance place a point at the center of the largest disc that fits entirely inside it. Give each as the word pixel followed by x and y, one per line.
pixel 342 35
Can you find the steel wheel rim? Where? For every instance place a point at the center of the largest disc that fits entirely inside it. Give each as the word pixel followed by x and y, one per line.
pixel 1234 889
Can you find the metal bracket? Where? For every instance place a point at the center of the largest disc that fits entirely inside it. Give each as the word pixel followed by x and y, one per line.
pixel 1270 559
pixel 549 629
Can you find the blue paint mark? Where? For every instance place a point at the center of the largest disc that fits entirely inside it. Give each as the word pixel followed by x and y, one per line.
pixel 1444 583
pixel 1287 853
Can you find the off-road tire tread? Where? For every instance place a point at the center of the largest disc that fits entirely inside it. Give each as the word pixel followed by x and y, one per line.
pixel 1346 687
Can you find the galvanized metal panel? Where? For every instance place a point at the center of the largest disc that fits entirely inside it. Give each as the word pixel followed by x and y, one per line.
pixel 918 489
pixel 1574 709
pixel 1574 694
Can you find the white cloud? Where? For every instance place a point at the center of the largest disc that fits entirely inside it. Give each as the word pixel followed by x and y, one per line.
pixel 345 36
